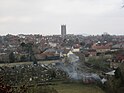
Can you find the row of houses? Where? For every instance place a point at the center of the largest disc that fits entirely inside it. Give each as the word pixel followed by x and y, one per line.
pixel 53 47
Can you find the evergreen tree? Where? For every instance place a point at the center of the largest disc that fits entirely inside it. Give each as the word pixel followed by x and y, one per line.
pixel 11 57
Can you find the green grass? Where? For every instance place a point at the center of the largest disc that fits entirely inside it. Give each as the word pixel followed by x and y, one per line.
pixel 77 88
pixel 27 63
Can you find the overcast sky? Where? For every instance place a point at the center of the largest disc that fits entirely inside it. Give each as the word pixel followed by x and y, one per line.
pixel 46 16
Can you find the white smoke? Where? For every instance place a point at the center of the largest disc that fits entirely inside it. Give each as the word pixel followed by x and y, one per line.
pixel 76 72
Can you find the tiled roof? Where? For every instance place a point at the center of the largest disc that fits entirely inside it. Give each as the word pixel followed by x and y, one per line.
pixel 120 45
pixel 101 46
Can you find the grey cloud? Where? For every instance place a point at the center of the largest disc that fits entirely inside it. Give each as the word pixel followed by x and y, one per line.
pixel 46 16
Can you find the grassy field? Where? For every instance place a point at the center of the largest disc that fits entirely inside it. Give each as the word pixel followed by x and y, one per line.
pixel 77 88
pixel 24 63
